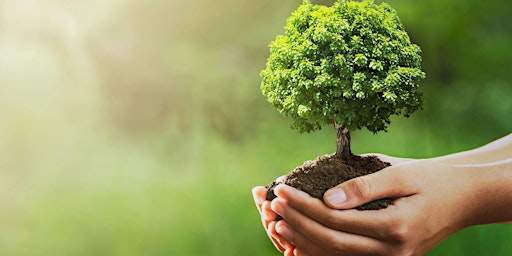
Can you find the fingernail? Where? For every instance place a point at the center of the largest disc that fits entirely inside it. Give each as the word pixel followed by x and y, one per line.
pixel 255 195
pixel 336 197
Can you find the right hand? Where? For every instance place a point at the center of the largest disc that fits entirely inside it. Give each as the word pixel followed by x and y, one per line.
pixel 432 201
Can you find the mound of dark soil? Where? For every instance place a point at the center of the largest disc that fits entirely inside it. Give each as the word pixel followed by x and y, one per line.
pixel 317 176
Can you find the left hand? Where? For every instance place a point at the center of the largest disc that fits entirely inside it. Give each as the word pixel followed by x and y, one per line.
pixel 268 218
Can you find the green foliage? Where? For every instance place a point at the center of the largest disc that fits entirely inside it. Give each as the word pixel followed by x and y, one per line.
pixel 352 63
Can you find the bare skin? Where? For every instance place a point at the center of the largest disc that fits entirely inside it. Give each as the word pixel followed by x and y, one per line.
pixel 435 198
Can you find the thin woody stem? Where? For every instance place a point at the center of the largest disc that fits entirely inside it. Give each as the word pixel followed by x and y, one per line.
pixel 342 141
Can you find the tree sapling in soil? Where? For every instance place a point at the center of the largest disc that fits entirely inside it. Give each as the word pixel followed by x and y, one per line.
pixel 349 66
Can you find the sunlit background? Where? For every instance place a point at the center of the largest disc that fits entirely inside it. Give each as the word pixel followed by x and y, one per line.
pixel 138 127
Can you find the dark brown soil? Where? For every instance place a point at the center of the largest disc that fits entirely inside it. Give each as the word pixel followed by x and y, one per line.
pixel 317 176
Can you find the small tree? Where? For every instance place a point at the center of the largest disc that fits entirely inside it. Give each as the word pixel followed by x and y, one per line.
pixel 351 65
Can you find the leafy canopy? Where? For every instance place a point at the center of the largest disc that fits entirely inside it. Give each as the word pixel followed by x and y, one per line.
pixel 351 63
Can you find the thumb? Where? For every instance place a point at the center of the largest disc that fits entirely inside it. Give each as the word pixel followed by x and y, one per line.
pixel 386 183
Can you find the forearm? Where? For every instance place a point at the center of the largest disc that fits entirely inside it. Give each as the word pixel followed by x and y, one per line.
pixel 491 201
pixel 497 150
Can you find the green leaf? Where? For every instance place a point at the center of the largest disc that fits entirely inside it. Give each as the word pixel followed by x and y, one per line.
pixel 376 65
pixel 360 60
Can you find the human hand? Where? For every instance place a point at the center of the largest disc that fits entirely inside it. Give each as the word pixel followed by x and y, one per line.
pixel 268 216
pixel 422 216
pixel 389 159
pixel 477 192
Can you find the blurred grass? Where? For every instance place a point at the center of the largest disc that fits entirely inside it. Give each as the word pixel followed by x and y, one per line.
pixel 138 128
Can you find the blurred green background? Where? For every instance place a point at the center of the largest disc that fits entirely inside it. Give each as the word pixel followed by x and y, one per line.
pixel 138 128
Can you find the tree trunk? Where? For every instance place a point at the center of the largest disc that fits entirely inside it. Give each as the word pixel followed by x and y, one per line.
pixel 342 141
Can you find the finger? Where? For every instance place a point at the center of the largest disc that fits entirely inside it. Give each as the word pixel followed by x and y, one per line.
pixel 275 237
pixel 302 253
pixel 387 183
pixel 306 246
pixel 278 238
pixel 289 252
pixel 267 214
pixel 379 224
pixel 268 217
pixel 368 223
pixel 298 252
pixel 324 237
pixel 259 194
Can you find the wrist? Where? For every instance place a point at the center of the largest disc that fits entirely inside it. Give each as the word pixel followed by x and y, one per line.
pixel 489 187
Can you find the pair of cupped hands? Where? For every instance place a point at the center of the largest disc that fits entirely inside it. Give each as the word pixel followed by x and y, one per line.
pixel 433 199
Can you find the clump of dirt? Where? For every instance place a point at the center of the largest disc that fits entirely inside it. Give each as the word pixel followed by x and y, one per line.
pixel 317 176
